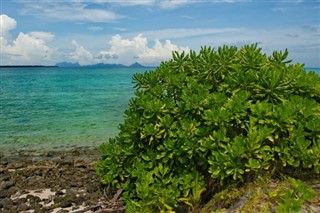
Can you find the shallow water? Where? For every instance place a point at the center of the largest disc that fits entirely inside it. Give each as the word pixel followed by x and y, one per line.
pixel 59 108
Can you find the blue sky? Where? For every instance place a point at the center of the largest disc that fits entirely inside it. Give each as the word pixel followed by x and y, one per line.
pixel 146 31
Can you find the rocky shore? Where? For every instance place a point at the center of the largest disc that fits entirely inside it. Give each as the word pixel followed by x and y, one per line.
pixel 65 181
pixel 55 181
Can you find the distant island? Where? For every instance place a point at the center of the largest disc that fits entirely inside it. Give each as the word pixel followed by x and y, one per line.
pixel 69 64
pixel 100 65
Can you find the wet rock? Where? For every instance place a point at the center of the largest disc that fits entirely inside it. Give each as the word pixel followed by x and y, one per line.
pixel 92 188
pixel 35 206
pixel 29 197
pixel 6 202
pixel 75 208
pixel 47 201
pixel 5 177
pixel 16 165
pixel 13 209
pixel 59 193
pixel 37 172
pixel 66 203
pixel 12 191
pixel 49 154
pixel 3 194
pixel 71 191
pixel 76 153
pixel 72 171
pixel 6 184
pixel 62 211
pixel 36 199
pixel 22 207
pixel 20 201
pixel 43 210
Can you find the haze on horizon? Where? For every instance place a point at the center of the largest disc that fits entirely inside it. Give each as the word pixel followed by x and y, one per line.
pixel 147 31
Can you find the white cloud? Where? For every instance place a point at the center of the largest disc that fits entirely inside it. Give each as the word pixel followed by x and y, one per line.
pixel 124 51
pixel 281 9
pixel 45 36
pixel 27 48
pixel 175 33
pixel 95 28
pixel 128 51
pixel 129 3
pixel 78 10
pixel 68 11
pixel 171 4
pixel 120 29
pixel 159 52
pixel 7 24
pixel 81 55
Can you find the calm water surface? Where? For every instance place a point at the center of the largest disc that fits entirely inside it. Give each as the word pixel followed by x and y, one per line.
pixel 59 108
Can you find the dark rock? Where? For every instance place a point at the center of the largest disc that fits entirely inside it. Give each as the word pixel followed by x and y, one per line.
pixel 75 208
pixel 74 184
pixel 49 154
pixel 5 177
pixel 80 164
pixel 69 170
pixel 37 172
pixel 43 210
pixel 3 193
pixel 92 188
pixel 35 206
pixel 62 211
pixel 46 201
pixel 13 209
pixel 36 199
pixel 12 191
pixel 89 203
pixel 29 197
pixel 71 191
pixel 20 201
pixel 66 203
pixel 76 153
pixel 22 207
pixel 16 165
pixel 6 203
pixel 6 184
pixel 60 192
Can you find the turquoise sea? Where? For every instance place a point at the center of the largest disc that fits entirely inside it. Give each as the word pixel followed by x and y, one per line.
pixel 47 108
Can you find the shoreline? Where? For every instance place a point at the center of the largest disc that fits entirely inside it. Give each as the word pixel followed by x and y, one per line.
pixel 53 181
pixel 49 153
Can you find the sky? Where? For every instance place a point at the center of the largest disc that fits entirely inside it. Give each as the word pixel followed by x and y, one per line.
pixel 47 32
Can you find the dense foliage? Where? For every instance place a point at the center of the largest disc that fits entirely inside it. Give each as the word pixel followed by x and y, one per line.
pixel 219 115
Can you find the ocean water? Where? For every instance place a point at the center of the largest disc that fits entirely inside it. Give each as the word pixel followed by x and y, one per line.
pixel 316 70
pixel 47 108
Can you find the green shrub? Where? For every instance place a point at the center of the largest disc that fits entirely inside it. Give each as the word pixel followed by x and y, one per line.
pixel 218 115
pixel 291 195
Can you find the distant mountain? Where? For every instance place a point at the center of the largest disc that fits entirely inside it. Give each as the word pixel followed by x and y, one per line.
pixel 103 65
pixel 100 65
pixel 136 65
pixel 67 64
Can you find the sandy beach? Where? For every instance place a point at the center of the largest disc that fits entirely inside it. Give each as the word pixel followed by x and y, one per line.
pixel 54 181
